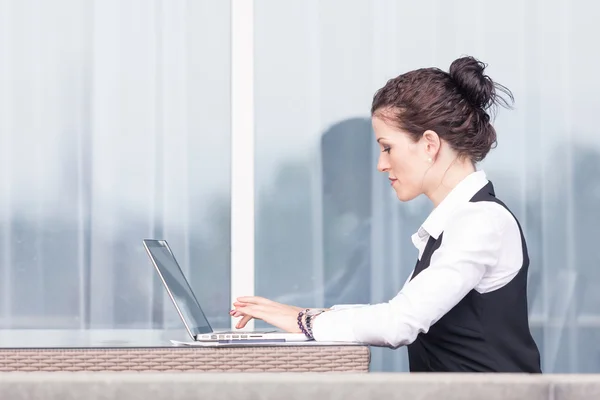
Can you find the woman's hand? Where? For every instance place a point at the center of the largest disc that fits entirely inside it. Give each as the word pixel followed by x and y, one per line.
pixel 280 315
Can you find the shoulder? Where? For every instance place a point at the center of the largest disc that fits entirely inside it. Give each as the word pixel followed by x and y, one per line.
pixel 484 215
pixel 482 224
pixel 487 232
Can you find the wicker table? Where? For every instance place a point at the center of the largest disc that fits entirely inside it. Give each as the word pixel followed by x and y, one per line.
pixel 149 351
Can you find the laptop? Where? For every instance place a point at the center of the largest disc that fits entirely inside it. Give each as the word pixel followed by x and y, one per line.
pixel 189 309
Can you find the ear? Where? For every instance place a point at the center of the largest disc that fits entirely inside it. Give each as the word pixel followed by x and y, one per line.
pixel 431 144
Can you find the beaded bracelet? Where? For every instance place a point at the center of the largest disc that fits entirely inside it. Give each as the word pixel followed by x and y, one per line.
pixel 309 325
pixel 301 324
pixel 306 325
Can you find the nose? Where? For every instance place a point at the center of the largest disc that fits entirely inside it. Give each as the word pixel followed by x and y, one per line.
pixel 382 164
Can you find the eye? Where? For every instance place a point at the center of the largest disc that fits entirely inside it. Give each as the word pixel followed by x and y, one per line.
pixel 386 150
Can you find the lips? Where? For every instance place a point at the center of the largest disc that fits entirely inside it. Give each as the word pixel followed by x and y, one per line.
pixel 392 181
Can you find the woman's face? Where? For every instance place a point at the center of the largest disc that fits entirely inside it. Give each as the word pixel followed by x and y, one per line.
pixel 406 162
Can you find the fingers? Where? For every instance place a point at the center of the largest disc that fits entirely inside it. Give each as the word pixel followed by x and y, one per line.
pixel 255 300
pixel 249 312
pixel 260 301
pixel 283 317
pixel 242 322
pixel 256 311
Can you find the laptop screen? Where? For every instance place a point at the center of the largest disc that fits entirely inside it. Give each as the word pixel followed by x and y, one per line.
pixel 182 293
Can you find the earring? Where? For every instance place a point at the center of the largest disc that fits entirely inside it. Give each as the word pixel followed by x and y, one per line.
pixel 429 160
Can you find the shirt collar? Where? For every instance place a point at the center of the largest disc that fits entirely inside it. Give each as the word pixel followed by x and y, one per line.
pixel 463 192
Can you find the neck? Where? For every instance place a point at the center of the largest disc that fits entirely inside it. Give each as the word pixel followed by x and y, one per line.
pixel 447 178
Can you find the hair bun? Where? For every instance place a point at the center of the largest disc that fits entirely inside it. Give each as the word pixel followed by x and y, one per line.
pixel 476 87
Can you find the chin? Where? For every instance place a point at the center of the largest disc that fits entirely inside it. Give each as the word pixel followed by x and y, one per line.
pixel 404 196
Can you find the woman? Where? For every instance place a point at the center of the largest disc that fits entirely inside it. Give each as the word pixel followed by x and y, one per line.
pixel 464 307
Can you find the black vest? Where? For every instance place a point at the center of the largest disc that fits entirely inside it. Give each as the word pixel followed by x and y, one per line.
pixel 484 332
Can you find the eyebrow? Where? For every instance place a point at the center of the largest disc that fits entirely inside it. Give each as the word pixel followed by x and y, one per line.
pixel 381 138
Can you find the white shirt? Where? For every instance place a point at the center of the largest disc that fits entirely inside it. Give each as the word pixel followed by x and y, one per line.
pixel 481 249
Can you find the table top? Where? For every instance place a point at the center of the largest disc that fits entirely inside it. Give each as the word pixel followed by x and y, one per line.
pixel 91 338
pixel 152 350
pixel 113 338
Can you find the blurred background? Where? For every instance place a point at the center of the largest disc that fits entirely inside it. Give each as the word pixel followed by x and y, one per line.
pixel 115 125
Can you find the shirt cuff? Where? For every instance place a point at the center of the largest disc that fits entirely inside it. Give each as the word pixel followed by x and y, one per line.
pixel 335 325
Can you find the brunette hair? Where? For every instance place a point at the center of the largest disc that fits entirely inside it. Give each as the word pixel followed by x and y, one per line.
pixel 455 104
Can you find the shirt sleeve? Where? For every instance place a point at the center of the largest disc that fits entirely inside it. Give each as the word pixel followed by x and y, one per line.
pixel 346 306
pixel 470 246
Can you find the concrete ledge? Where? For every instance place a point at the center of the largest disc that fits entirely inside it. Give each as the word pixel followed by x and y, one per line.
pixel 308 386
pixel 301 386
pixel 575 387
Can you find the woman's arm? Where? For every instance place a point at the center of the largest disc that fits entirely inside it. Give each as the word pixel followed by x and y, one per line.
pixel 470 246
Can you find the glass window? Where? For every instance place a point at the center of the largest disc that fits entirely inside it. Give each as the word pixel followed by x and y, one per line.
pixel 328 228
pixel 115 127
